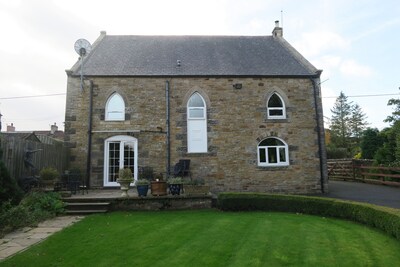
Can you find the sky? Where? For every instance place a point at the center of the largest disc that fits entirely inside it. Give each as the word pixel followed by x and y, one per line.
pixel 355 42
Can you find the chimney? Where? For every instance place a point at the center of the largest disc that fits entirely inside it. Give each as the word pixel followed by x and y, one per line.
pixel 278 31
pixel 10 128
pixel 53 128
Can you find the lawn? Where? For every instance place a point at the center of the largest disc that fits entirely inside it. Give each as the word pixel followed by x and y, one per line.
pixel 212 238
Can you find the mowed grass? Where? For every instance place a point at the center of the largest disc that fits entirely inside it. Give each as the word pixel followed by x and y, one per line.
pixel 212 238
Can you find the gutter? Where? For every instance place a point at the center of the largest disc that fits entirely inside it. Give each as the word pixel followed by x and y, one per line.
pixel 168 143
pixel 319 128
pixel 89 133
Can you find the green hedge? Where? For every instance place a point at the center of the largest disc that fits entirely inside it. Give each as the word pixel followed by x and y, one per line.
pixel 386 219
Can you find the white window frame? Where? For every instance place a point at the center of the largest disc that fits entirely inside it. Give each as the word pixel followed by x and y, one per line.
pixel 122 139
pixel 283 108
pixel 278 162
pixel 201 122
pixel 119 112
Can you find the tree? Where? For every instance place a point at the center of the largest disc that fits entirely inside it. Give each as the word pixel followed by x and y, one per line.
pixel 396 113
pixel 358 122
pixel 340 121
pixel 371 141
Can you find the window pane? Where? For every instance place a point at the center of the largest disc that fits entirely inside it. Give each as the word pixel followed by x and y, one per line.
pixel 196 101
pixel 275 112
pixel 275 101
pixel 196 113
pixel 115 116
pixel 282 154
pixel 271 142
pixel 272 155
pixel 263 157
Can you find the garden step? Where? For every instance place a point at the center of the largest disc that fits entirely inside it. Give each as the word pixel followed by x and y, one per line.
pixel 86 207
pixel 82 212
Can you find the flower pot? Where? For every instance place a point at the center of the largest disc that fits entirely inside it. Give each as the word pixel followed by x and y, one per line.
pixel 175 189
pixel 124 186
pixel 158 188
pixel 142 190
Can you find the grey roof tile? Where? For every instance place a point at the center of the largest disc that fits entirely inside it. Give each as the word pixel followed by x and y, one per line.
pixel 122 55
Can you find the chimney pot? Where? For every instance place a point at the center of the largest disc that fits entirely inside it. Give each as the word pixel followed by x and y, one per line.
pixel 278 31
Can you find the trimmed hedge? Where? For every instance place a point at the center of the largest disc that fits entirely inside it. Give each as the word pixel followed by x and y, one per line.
pixel 385 219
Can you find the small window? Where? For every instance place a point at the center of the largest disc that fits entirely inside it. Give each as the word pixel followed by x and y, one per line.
pixel 276 107
pixel 273 152
pixel 115 108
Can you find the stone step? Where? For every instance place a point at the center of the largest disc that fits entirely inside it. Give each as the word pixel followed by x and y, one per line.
pixel 84 212
pixel 86 207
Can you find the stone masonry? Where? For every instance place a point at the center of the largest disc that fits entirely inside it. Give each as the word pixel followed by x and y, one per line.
pixel 236 119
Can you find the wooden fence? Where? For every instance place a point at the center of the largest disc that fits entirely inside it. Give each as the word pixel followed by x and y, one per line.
pixel 363 171
pixel 14 153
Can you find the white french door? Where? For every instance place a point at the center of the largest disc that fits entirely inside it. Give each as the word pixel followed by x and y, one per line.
pixel 119 152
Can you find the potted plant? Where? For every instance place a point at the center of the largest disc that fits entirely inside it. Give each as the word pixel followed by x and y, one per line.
pixel 197 187
pixel 125 178
pixel 175 185
pixel 142 186
pixel 158 187
pixel 48 177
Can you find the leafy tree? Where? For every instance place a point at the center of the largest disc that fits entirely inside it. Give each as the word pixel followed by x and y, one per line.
pixel 371 141
pixel 396 113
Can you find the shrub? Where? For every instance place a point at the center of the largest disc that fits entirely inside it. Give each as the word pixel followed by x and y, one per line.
pixel 383 218
pixel 34 208
pixel 9 189
pixel 49 174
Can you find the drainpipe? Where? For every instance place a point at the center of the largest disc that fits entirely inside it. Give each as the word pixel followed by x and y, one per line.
pixel 89 133
pixel 319 129
pixel 168 129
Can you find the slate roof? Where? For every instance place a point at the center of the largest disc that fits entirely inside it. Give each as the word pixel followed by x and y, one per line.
pixel 118 55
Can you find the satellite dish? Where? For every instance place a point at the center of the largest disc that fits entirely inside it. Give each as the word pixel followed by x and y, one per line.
pixel 82 47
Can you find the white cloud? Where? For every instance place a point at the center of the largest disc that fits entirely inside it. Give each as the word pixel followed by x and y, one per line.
pixel 317 42
pixel 352 68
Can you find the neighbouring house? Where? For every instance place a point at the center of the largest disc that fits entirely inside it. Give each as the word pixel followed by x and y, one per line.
pixel 246 111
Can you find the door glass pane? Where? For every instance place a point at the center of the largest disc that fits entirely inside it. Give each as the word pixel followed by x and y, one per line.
pixel 272 155
pixel 282 154
pixel 196 101
pixel 113 161
pixel 263 157
pixel 196 113
pixel 129 156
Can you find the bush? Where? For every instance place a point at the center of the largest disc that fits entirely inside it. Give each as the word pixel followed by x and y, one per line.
pixel 34 208
pixel 9 189
pixel 49 174
pixel 383 218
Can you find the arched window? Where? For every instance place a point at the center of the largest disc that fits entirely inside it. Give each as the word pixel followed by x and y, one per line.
pixel 273 152
pixel 276 107
pixel 196 124
pixel 115 108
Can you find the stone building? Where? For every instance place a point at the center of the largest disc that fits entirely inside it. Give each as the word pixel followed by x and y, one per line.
pixel 246 111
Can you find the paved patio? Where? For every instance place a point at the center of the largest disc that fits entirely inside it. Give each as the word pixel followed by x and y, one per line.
pixel 22 239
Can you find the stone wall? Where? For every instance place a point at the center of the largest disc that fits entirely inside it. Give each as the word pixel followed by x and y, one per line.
pixel 236 118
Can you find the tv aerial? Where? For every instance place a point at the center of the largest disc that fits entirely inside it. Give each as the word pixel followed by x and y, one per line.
pixel 83 48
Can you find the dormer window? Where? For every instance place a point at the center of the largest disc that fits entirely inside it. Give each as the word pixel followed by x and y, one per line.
pixel 115 108
pixel 276 107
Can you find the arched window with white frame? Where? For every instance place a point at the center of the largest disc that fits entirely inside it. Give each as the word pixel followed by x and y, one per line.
pixel 115 108
pixel 272 152
pixel 196 124
pixel 276 107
